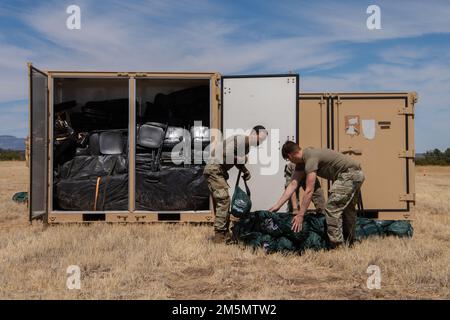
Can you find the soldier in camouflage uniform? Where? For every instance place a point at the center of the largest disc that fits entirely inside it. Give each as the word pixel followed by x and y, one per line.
pixel 234 153
pixel 318 198
pixel 343 195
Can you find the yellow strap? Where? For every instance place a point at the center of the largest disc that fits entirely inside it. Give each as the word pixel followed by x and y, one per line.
pixel 96 192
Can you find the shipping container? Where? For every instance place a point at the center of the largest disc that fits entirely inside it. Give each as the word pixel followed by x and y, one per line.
pixel 377 130
pixel 102 142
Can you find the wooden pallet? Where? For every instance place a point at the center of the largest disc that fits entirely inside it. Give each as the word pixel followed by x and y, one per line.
pixel 154 217
pixel 182 217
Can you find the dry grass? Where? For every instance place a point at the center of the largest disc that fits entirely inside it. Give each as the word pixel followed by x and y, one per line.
pixel 177 261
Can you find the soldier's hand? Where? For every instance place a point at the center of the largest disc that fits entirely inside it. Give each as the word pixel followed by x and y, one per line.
pixel 247 176
pixel 297 223
pixel 274 209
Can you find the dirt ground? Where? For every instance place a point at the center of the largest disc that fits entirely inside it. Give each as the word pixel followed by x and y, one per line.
pixel 178 262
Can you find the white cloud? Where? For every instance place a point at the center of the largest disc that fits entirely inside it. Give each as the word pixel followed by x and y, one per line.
pixel 430 81
pixel 175 36
pixel 346 21
pixel 180 35
pixel 14 119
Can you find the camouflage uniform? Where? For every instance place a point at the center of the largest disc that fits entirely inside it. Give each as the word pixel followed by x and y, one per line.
pixel 340 209
pixel 218 186
pixel 343 195
pixel 216 175
pixel 318 198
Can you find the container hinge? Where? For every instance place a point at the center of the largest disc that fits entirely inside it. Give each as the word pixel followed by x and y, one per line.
pixel 141 74
pixel 124 217
pixel 406 111
pixel 408 197
pixel 413 98
pixel 321 102
pixel 407 154
pixel 123 74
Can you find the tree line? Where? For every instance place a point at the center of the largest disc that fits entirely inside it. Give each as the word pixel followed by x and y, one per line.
pixel 8 155
pixel 434 157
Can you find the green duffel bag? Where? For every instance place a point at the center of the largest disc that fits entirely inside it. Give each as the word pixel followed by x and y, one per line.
pixel 241 203
pixel 20 197
pixel 400 229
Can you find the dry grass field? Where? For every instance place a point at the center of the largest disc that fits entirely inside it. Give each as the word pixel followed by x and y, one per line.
pixel 178 262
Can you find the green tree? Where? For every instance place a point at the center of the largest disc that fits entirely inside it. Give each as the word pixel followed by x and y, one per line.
pixel 435 157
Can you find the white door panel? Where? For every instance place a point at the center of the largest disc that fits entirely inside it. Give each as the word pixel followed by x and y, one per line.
pixel 270 101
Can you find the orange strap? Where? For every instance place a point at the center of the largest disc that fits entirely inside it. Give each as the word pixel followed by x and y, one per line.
pixel 96 192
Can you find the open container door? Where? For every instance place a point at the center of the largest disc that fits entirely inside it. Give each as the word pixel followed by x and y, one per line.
pixel 38 132
pixel 271 101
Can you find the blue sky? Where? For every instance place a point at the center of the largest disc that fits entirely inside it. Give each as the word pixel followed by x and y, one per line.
pixel 326 42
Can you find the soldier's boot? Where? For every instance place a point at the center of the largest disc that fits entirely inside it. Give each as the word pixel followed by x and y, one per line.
pixel 221 237
pixel 335 245
pixel 233 238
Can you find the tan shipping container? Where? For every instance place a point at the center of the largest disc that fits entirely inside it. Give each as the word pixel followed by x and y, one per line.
pixel 377 130
pixel 270 100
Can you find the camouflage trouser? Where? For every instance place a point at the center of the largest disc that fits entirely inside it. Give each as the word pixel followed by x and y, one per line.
pixel 218 186
pixel 318 199
pixel 340 210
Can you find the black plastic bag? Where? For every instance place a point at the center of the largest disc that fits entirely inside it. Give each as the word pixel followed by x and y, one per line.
pixel 173 188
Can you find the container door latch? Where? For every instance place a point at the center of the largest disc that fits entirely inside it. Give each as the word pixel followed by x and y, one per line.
pixel 408 197
pixel 406 154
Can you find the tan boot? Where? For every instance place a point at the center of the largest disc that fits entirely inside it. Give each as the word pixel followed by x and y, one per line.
pixel 220 237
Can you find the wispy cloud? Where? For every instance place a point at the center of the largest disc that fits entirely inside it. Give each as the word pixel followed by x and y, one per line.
pixel 14 118
pixel 431 79
pixel 322 41
pixel 346 20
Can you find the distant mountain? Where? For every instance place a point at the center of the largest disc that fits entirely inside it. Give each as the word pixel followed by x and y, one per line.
pixel 12 143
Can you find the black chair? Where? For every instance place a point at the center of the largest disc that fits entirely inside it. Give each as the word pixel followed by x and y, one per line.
pixel 105 143
pixel 151 136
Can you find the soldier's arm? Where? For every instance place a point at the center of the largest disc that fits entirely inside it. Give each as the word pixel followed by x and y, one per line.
pixel 290 189
pixel 240 163
pixel 294 202
pixel 309 190
pixel 318 198
pixel 297 222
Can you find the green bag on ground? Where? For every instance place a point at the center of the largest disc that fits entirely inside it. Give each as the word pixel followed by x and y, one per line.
pixel 20 197
pixel 272 231
pixel 241 203
pixel 368 227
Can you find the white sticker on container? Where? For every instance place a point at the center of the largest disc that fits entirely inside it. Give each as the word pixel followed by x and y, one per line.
pixel 368 128
pixel 352 125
